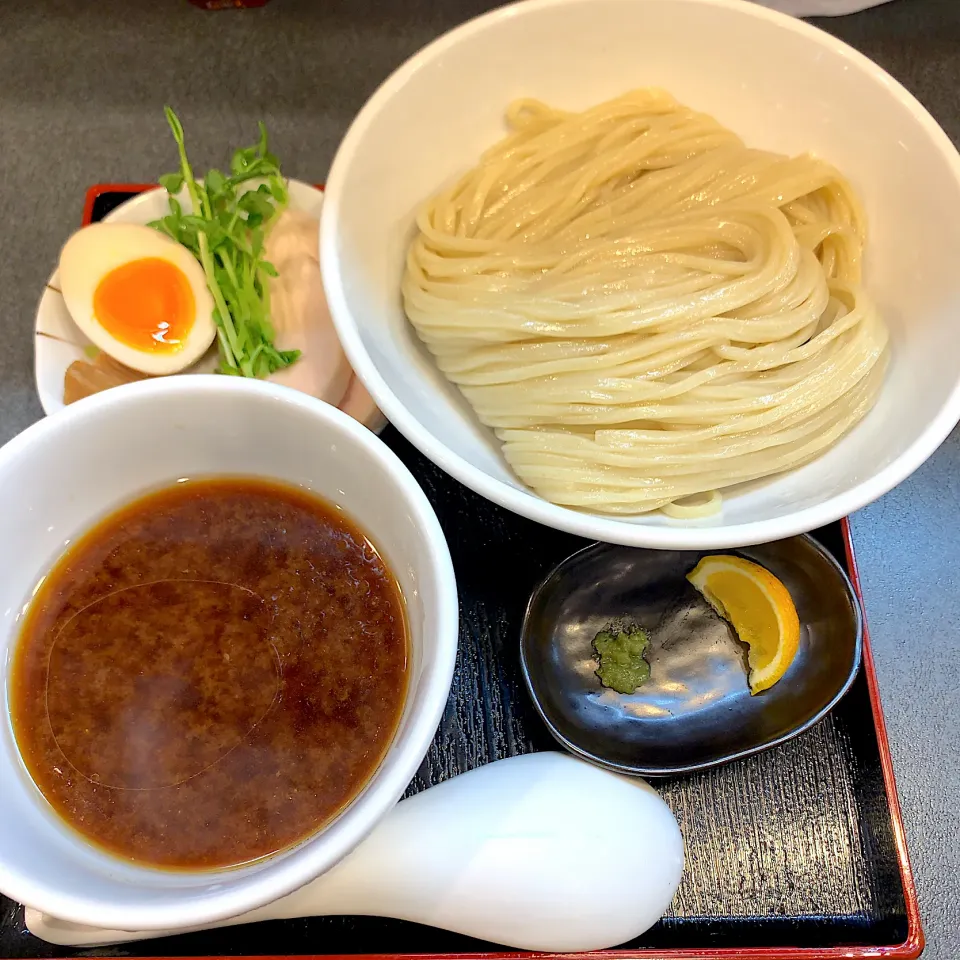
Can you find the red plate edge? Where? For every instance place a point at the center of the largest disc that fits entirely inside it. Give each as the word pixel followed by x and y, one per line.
pixel 99 188
pixel 911 948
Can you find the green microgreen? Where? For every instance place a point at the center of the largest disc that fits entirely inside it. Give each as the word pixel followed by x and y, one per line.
pixel 225 230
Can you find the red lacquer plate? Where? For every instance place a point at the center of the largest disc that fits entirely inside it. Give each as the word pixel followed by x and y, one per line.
pixel 486 685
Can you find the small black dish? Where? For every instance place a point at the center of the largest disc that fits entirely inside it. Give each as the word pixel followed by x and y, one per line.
pixel 695 711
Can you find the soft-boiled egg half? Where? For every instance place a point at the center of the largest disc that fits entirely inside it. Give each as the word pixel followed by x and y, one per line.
pixel 139 296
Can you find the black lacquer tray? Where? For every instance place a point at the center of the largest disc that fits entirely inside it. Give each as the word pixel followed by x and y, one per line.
pixel 795 853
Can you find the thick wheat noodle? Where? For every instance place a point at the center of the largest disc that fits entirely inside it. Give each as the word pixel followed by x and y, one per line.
pixel 643 309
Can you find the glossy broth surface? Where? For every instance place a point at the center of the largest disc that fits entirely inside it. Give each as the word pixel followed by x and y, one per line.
pixel 210 674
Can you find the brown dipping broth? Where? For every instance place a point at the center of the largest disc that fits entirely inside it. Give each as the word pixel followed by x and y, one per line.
pixel 210 674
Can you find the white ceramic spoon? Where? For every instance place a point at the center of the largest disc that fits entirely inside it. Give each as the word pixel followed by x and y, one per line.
pixel 539 852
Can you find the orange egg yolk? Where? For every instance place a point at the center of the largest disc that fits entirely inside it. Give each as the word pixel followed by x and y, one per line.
pixel 146 304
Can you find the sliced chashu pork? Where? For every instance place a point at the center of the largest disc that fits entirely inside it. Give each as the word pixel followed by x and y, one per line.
pixel 301 320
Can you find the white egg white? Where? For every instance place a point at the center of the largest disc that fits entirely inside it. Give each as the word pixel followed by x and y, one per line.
pixel 91 253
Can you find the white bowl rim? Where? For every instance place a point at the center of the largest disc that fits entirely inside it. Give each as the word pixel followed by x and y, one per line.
pixel 275 880
pixel 524 501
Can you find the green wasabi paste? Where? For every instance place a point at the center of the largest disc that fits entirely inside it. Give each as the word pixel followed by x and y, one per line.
pixel 622 667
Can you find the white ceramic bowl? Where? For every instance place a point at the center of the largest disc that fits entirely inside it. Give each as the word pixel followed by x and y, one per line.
pixel 780 84
pixel 65 472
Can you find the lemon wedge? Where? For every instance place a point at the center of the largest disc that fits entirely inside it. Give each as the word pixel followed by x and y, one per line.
pixel 758 607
